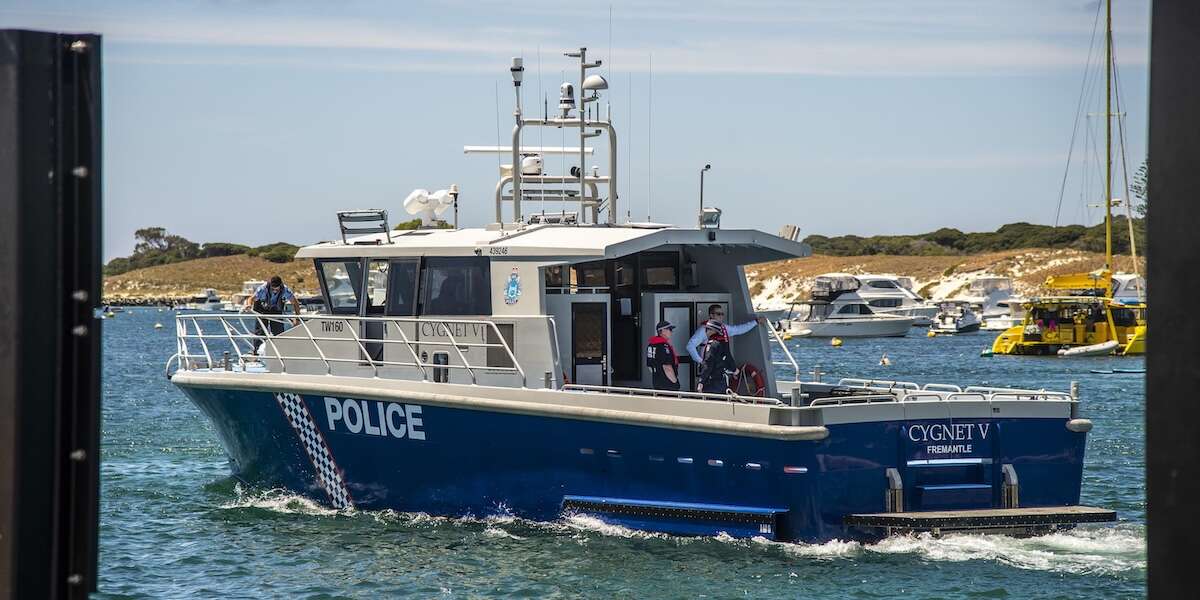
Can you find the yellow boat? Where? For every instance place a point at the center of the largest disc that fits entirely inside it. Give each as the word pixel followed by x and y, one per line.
pixel 1061 323
pixel 1079 316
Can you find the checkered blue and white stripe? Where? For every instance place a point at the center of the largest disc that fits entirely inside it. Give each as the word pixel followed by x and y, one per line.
pixel 329 475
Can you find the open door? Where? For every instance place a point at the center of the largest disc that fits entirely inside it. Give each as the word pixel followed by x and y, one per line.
pixel 589 343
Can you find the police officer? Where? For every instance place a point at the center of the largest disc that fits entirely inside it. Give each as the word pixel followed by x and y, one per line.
pixel 268 299
pixel 717 364
pixel 661 358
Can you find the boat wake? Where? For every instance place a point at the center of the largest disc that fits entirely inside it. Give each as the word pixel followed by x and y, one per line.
pixel 1085 550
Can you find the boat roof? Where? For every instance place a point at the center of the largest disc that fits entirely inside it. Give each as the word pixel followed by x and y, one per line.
pixel 570 243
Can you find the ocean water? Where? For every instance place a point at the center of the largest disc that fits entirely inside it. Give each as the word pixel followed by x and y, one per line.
pixel 175 525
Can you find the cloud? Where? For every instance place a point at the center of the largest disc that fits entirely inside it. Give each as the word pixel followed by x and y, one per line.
pixel 822 38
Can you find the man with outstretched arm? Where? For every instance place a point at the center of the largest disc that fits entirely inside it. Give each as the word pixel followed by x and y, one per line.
pixel 717 313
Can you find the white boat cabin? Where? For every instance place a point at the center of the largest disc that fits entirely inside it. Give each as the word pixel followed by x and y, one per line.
pixel 575 303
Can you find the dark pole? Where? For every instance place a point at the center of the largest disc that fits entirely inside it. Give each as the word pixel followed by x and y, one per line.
pixel 706 167
pixel 50 187
pixel 1172 446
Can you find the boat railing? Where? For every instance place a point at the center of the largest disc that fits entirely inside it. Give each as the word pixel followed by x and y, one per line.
pixel 577 289
pixel 856 399
pixel 200 347
pixel 879 384
pixel 1017 394
pixel 787 353
pixel 910 392
pixel 628 391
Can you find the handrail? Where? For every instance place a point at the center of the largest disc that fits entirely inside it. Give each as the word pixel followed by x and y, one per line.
pixel 878 384
pixel 774 336
pixel 863 399
pixel 235 332
pixel 628 391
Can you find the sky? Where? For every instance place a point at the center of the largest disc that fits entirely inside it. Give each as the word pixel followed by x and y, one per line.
pixel 254 121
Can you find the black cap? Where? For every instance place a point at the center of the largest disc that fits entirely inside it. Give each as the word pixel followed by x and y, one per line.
pixel 664 324
pixel 276 281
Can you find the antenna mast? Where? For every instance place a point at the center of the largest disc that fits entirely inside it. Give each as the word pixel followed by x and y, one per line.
pixel 1108 139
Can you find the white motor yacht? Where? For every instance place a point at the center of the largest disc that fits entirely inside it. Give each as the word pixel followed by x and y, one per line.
pixel 1003 315
pixel 238 300
pixel 837 310
pixel 955 317
pixel 893 295
pixel 992 298
pixel 208 300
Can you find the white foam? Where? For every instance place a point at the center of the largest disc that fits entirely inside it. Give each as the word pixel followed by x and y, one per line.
pixel 1099 550
pixel 280 501
pixel 493 531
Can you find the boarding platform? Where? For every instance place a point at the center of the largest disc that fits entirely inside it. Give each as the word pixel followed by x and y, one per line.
pixel 1030 520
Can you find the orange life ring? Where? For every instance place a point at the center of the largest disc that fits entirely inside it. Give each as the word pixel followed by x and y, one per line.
pixel 755 384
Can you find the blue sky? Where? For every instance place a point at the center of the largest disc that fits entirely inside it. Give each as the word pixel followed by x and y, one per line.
pixel 254 121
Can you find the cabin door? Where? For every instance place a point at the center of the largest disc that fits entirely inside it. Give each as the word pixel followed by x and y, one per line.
pixel 589 343
pixel 374 304
pixel 679 314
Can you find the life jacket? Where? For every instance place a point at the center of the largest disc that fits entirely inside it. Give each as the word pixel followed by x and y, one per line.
pixel 265 305
pixel 659 340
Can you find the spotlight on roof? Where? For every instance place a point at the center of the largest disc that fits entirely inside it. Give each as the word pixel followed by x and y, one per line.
pixel 710 218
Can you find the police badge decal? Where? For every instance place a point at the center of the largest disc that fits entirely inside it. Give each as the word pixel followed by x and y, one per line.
pixel 512 291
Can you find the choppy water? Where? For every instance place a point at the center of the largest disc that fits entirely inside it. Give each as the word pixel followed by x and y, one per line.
pixel 174 525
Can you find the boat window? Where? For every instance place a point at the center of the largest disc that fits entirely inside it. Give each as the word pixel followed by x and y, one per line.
pixel 342 279
pixel 554 279
pixel 660 270
pixel 1123 317
pixel 886 302
pixel 377 285
pixel 882 284
pixel 456 286
pixel 849 309
pixel 402 288
pixel 590 275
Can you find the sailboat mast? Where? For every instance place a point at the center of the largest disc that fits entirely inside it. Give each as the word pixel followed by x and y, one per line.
pixel 1108 139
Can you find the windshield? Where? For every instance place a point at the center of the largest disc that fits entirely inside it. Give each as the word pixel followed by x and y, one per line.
pixel 342 280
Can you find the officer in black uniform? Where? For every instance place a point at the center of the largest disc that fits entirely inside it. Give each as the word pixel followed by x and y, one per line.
pixel 661 358
pixel 717 365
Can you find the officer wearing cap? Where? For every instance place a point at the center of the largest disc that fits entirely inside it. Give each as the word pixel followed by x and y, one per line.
pixel 661 358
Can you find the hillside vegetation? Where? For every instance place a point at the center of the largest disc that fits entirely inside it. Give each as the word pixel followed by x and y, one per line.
pixel 156 247
pixel 952 242
pixel 223 273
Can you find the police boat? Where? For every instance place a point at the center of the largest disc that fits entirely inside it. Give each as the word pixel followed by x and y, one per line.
pixel 471 371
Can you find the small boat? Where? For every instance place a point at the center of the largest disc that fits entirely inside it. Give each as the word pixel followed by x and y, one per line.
pixel 1101 349
pixel 836 310
pixel 954 318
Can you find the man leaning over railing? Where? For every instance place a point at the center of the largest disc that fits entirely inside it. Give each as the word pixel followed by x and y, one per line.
pixel 269 299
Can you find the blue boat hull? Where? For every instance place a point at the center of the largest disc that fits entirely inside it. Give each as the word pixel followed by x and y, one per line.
pixel 443 460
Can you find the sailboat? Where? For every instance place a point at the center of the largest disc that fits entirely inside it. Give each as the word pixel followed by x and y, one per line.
pixel 1080 316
